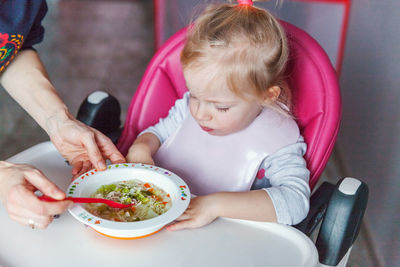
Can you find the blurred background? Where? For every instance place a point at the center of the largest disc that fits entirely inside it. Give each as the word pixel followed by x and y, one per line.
pixel 106 45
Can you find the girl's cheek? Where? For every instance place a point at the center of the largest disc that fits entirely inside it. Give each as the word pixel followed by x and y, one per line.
pixel 191 107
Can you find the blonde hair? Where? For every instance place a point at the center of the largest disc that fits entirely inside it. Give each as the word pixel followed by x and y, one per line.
pixel 248 43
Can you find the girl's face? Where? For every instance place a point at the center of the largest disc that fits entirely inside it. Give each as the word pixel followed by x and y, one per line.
pixel 215 107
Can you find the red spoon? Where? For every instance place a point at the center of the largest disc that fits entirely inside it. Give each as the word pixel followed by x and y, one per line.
pixel 110 203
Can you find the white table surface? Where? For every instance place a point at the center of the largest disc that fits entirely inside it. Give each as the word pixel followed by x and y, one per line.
pixel 67 242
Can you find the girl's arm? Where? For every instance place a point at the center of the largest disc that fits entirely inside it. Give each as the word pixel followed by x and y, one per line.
pixel 288 176
pixel 286 201
pixel 253 205
pixel 143 149
pixel 148 141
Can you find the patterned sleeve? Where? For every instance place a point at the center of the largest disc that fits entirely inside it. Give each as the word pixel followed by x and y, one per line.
pixel 168 125
pixel 285 177
pixel 36 33
pixel 20 27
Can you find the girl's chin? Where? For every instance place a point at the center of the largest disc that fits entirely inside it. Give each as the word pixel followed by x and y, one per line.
pixel 217 133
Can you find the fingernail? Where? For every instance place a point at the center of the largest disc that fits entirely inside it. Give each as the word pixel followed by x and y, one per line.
pixel 57 194
pixel 102 165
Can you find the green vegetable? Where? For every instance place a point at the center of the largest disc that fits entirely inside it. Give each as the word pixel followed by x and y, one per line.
pixel 128 200
pixel 125 190
pixel 105 189
pixel 139 196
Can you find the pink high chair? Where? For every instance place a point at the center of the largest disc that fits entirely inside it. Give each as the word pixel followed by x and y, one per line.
pixel 317 107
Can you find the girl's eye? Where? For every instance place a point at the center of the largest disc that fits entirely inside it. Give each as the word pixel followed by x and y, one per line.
pixel 192 98
pixel 223 109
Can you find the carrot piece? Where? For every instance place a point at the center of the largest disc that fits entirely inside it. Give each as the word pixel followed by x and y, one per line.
pixel 146 185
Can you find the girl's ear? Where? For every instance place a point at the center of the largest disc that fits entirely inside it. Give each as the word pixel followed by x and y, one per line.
pixel 272 94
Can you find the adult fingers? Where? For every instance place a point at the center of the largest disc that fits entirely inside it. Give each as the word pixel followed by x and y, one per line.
pixel 86 166
pixel 23 201
pixel 109 150
pixel 77 167
pixel 32 209
pixel 54 208
pixel 95 156
pixel 41 223
pixel 40 181
pixel 82 167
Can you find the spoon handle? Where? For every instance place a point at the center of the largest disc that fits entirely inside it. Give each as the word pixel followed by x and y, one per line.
pixel 88 200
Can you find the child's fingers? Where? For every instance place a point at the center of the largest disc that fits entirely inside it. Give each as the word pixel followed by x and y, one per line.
pixel 180 225
pixel 183 217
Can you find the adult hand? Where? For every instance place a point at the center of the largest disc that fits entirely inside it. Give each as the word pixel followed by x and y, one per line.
pixel 18 183
pixel 27 82
pixel 82 145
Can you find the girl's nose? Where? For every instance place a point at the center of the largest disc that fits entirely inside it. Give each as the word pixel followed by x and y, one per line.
pixel 201 112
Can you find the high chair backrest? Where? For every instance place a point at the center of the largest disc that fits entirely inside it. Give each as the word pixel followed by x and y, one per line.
pixel 316 95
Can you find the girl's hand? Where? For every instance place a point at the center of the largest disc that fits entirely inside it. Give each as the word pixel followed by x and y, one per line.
pixel 18 182
pixel 82 145
pixel 201 211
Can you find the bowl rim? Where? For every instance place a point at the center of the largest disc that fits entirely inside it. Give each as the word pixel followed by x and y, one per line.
pixel 178 206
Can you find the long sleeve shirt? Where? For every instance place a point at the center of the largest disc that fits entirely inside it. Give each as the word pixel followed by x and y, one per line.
pixel 283 174
pixel 20 27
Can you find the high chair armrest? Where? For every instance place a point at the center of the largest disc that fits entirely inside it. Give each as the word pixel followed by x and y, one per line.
pixel 318 204
pixel 342 220
pixel 101 111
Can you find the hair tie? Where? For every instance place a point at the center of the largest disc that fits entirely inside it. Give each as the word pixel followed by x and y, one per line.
pixel 245 2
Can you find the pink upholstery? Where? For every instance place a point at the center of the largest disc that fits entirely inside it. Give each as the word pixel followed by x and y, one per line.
pixel 317 104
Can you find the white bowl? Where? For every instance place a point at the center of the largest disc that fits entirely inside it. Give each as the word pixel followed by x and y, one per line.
pixel 88 183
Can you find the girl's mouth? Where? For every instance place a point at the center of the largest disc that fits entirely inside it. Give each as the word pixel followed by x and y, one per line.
pixel 206 129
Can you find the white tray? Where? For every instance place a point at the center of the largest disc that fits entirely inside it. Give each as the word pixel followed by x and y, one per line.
pixel 67 242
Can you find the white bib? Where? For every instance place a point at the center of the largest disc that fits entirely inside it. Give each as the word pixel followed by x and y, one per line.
pixel 210 164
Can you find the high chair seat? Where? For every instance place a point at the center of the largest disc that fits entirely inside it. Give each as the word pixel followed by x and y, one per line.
pixel 317 108
pixel 316 95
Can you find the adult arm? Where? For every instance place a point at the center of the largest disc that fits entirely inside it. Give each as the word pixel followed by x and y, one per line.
pixel 27 82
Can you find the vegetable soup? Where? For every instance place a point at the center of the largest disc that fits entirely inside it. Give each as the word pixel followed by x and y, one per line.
pixel 148 201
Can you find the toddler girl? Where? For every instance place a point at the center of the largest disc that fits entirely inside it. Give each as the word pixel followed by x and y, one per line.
pixel 231 137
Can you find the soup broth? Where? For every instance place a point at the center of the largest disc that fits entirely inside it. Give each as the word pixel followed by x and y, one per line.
pixel 149 201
